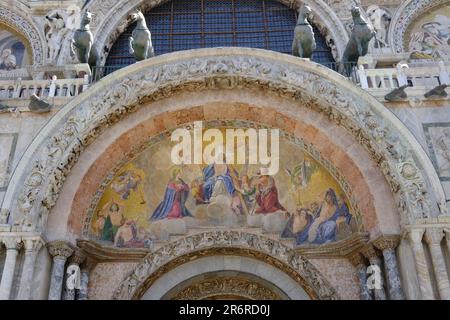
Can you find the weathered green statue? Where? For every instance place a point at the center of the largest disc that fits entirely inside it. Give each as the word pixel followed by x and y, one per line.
pixel 304 42
pixel 83 39
pixel 141 40
pixel 360 37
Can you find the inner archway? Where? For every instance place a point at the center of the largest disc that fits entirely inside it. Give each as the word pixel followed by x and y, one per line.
pixel 225 284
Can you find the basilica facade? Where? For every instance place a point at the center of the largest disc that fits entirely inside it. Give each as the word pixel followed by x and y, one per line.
pixel 346 195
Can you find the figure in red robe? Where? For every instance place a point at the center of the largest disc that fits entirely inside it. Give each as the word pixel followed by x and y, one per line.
pixel 267 195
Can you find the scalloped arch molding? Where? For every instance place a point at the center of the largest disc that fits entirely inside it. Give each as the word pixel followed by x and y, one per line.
pixel 41 172
pixel 28 29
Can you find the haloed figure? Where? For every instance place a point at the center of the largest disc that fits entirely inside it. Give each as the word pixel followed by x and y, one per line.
pixel 173 205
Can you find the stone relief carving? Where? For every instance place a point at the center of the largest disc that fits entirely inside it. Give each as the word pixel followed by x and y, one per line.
pixel 56 31
pixel 4 215
pixel 380 19
pixel 437 136
pixel 282 255
pixel 405 15
pixel 8 142
pixel 59 28
pixel 94 113
pixel 26 27
pixel 226 287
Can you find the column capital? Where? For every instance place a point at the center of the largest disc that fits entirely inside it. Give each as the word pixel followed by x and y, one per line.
pixel 415 235
pixel 385 242
pixel 59 249
pixel 89 264
pixel 77 257
pixel 434 235
pixel 12 242
pixel 356 259
pixel 447 233
pixel 370 252
pixel 33 244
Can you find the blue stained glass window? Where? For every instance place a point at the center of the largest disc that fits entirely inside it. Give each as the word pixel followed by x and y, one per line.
pixel 190 24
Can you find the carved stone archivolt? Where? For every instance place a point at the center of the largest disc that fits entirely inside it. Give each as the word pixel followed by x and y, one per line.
pixel 25 27
pixel 219 242
pixel 41 173
pixel 408 12
pixel 112 18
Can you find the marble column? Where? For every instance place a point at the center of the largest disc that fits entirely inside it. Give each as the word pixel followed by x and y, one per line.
pixel 372 255
pixel 434 236
pixel 86 269
pixel 357 260
pixel 60 251
pixel 415 238
pixel 32 247
pixel 13 245
pixel 75 261
pixel 387 245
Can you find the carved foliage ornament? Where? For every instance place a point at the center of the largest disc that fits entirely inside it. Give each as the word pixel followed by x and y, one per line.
pixel 226 286
pixel 24 26
pixel 133 284
pixel 103 107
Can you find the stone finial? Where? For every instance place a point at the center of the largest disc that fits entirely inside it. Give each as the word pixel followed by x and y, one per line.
pixel 434 235
pixel 59 249
pixel 387 242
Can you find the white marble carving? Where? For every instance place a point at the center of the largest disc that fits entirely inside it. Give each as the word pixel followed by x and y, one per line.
pixel 7 146
pixel 225 68
pixel 438 140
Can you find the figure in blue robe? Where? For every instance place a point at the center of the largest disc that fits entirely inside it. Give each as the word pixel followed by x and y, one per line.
pixel 173 205
pixel 210 180
pixel 326 232
pixel 302 235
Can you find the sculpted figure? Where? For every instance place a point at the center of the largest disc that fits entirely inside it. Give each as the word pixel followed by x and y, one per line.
pixel 361 35
pixel 380 19
pixel 4 215
pixel 56 32
pixel 141 40
pixel 83 39
pixel 304 42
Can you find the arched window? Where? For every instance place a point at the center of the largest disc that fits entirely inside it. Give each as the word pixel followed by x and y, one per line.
pixel 190 24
